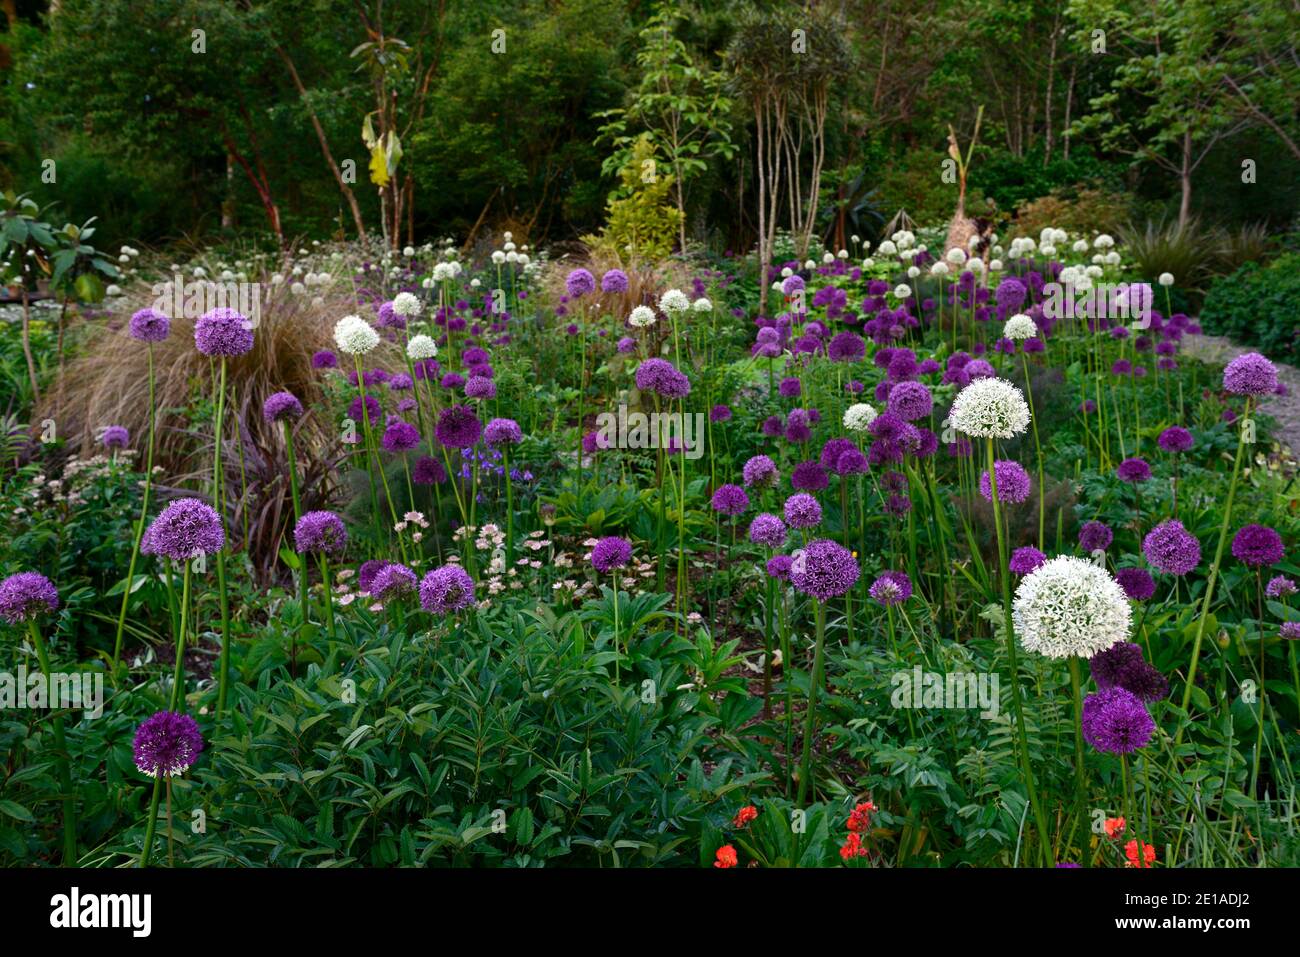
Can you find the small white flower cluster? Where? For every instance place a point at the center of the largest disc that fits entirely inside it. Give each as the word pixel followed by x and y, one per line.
pixel 1070 607
pixel 990 408
pixel 421 347
pixel 1020 326
pixel 641 317
pixel 674 302
pixel 858 417
pixel 407 304
pixel 355 336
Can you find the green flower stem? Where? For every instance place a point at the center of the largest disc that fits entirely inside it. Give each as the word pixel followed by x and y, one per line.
pixel 302 567
pixel 329 592
pixel 140 523
pixel 1004 574
pixel 814 687
pixel 151 823
pixel 218 503
pixel 1038 451
pixel 178 675
pixel 68 798
pixel 510 518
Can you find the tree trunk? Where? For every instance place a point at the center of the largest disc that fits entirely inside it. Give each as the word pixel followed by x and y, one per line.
pixel 1185 175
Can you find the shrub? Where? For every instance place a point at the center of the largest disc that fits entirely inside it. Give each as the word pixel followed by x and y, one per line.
pixel 1258 305
pixel 1078 210
pixel 643 221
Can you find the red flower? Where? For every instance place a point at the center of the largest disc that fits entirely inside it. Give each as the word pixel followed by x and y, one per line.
pixel 1114 826
pixel 744 816
pixel 726 856
pixel 853 847
pixel 1131 852
pixel 860 819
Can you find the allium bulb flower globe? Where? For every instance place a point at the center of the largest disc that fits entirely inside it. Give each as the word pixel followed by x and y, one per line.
pixel 990 408
pixel 446 590
pixel 184 530
pixel 421 347
pixel 824 569
pixel 354 336
pixel 1019 327
pixel 166 744
pixel 25 595
pixel 859 416
pixel 1070 607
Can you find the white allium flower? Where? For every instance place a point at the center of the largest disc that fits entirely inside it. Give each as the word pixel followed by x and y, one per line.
pixel 1104 241
pixel 842 254
pixel 407 304
pixel 512 257
pixel 939 268
pixel 277 279
pixel 674 301
pixel 887 248
pixel 990 408
pixel 297 288
pixel 641 317
pixel 827 258
pixel 508 235
pixel 868 263
pixel 976 266
pixel 702 305
pixel 1112 258
pixel 1019 326
pixel 1080 246
pixel 113 291
pixel 421 347
pixel 124 258
pixel 442 272
pixel 1166 279
pixel 1047 249
pixel 408 252
pixel 809 264
pixel 199 272
pixel 995 265
pixel 786 272
pixel 956 255
pixel 475 283
pixel 859 416
pixel 498 257
pixel 913 272
pixel 510 247
pixel 355 336
pixel 902 291
pixel 1070 606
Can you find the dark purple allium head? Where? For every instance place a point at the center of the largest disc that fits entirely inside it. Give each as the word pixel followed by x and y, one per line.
pixel 1122 666
pixel 846 347
pixel 760 472
pixel 1171 549
pixel 772 426
pixel 891 588
pixel 1175 439
pixel 1257 546
pixel 910 401
pixel 661 377
pixel 400 436
pixel 458 427
pixel 615 280
pixel 428 471
pixel 25 595
pixel 1013 482
pixel 446 590
pixel 185 529
pixel 149 325
pixel 501 432
pixel 851 462
pixel 392 581
pixel 324 359
pixel 480 387
pixel 778 567
pixel 1136 582
pixel 579 282
pixel 1290 630
pixel 626 345
pixel 452 380
pixel 400 382
pixel 1279 587
pixel 320 532
pixel 367 572
pixel 611 552
pixel 832 451
pixel 1116 721
pixel 730 500
pixel 824 569
pixel 373 410
pixel 802 511
pixel 767 530
pixel 809 477
pixel 1133 471
pixel 280 406
pixel 223 332
pixel 1250 374
pixel 1095 536
pixel 1025 559
pixel 798 426
pixel 1010 294
pixel 166 744
pixel 115 437
pixel 720 413
pixel 790 388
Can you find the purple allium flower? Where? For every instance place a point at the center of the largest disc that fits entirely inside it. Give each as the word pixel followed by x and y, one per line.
pixel 1122 666
pixel 1010 294
pixel 615 280
pixel 832 451
pixel 400 382
pixel 730 500
pixel 281 405
pixel 910 401
pixel 1257 546
pixel 1133 470
pixel 898 505
pixel 446 589
pixel 824 569
pixel 392 581
pixel 611 552
pixel 851 462
pixel 25 595
pixel 324 359
pixel 373 411
pixel 979 368
pixel 1024 560
pixel 223 332
pixel 579 283
pixel 1171 549
pixel 367 572
pixel 1136 582
pixel 891 588
pixel 1013 482
pixel 790 388
pixel 809 477
pixel 1280 587
pixel 767 530
pixel 185 529
pixel 802 511
pixel 760 472
pixel 458 427
pixel 772 426
pixel 149 325
pixel 1175 439
pixel 778 567
pixel 400 437
pixel 661 377
pixel 1116 721
pixel 625 345
pixel 1095 536
pixel 798 426
pixel 115 437
pixel 452 380
pixel 166 744
pixel 320 532
pixel 720 413
pixel 428 471
pixel 502 432
pixel 1250 374
pixel 480 387
pixel 846 347
pixel 1290 630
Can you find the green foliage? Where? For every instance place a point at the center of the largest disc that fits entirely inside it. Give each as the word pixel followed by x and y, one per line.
pixel 1258 304
pixel 643 221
